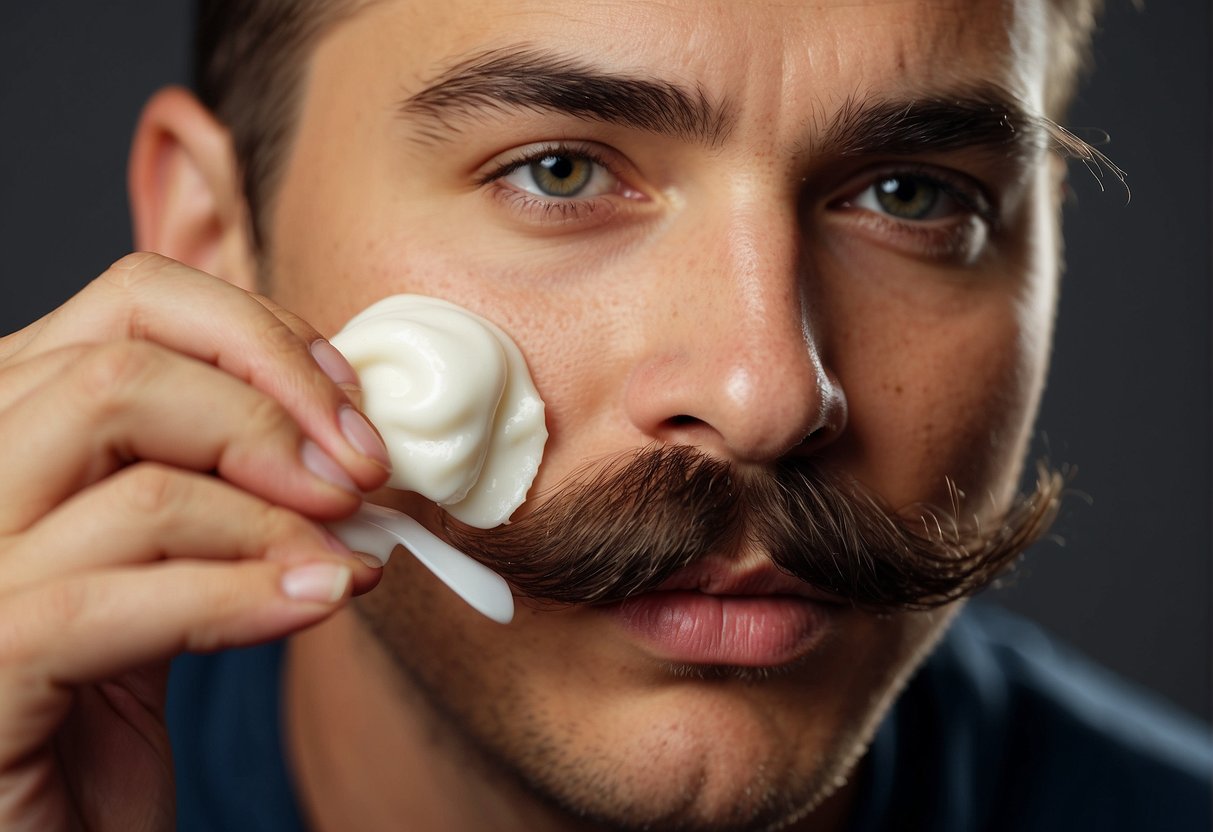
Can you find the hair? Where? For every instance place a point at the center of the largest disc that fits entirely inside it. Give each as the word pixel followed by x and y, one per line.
pixel 250 61
pixel 628 524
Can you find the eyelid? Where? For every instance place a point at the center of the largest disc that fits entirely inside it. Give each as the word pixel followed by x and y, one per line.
pixel 959 239
pixel 506 163
pixel 970 193
pixel 540 213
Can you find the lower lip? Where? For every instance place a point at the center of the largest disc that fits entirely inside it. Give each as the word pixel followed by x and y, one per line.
pixel 737 630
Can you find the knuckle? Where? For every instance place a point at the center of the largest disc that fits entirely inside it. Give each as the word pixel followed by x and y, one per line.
pixel 265 425
pixel 124 284
pixel 54 607
pixel 64 602
pixel 149 489
pixel 265 416
pixel 108 373
pixel 280 340
pixel 301 331
pixel 132 270
pixel 274 523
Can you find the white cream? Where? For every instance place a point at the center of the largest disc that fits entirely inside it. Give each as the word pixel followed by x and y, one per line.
pixel 452 397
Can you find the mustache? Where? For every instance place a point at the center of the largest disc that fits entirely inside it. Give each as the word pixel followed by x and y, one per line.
pixel 627 526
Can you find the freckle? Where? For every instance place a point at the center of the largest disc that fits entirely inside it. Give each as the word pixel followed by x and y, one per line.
pixel 897 389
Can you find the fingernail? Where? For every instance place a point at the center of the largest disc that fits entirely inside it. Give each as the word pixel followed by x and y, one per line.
pixel 325 467
pixel 364 438
pixel 322 582
pixel 369 559
pixel 333 363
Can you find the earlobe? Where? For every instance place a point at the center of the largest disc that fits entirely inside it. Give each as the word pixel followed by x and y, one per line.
pixel 184 185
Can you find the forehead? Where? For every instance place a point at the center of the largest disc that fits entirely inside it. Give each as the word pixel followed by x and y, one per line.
pixel 768 55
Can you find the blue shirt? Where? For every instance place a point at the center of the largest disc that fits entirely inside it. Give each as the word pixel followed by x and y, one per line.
pixel 1001 730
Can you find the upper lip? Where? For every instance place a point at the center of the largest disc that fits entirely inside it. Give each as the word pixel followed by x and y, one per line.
pixel 718 576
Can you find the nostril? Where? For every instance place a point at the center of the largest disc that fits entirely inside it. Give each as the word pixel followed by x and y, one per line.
pixel 816 439
pixel 833 417
pixel 726 406
pixel 684 429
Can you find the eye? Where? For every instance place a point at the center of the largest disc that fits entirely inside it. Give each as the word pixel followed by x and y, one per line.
pixel 933 213
pixel 913 197
pixel 563 186
pixel 561 175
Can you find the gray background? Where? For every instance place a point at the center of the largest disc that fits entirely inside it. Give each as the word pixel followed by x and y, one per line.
pixel 1128 403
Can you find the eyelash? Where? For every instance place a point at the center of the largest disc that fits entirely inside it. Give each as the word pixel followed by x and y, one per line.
pixel 967 193
pixel 958 237
pixel 554 210
pixel 951 238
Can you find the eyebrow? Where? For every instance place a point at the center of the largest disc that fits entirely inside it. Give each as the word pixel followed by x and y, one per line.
pixel 983 116
pixel 978 117
pixel 530 79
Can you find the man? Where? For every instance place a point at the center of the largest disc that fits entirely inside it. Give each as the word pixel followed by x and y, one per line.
pixel 740 244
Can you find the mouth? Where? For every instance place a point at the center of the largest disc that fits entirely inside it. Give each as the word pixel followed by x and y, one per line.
pixel 726 577
pixel 717 612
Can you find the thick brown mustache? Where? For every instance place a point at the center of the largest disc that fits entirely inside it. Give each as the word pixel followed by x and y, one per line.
pixel 630 526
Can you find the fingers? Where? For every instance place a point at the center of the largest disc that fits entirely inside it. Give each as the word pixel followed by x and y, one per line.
pixel 166 438
pixel 21 379
pixel 132 400
pixel 151 298
pixel 82 628
pixel 150 512
pixel 92 626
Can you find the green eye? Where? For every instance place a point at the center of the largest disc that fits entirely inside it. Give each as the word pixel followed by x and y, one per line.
pixel 562 176
pixel 557 174
pixel 907 197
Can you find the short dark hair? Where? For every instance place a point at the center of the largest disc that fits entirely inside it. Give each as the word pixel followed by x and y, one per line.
pixel 250 59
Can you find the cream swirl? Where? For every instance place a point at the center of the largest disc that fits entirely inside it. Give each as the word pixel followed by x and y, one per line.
pixel 452 397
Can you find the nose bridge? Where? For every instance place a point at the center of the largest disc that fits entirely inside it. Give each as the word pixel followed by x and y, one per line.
pixel 767 350
pixel 759 273
pixel 739 363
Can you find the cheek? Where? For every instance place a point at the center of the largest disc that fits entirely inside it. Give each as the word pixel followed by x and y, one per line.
pixel 939 397
pixel 327 269
pixel 943 370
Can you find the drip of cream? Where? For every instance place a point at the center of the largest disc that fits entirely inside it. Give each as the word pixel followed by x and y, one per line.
pixel 452 397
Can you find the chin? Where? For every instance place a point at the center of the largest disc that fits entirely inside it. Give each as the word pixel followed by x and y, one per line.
pixel 590 724
pixel 701 755
pixel 703 747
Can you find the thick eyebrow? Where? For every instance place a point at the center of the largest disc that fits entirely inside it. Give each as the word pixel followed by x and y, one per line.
pixel 981 117
pixel 531 79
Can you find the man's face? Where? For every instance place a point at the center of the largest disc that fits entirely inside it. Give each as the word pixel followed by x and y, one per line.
pixel 741 260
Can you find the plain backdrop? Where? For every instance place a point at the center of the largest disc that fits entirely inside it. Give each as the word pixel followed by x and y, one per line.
pixel 1128 403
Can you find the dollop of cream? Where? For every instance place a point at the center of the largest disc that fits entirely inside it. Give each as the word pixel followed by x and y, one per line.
pixel 453 399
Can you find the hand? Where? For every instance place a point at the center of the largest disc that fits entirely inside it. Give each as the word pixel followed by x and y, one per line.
pixel 169 443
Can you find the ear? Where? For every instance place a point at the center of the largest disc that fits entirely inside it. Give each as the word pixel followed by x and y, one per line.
pixel 185 192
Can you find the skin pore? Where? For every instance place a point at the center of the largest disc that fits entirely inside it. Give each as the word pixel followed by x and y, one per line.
pixel 747 290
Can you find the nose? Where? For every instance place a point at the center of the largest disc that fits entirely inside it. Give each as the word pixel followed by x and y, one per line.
pixel 730 362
